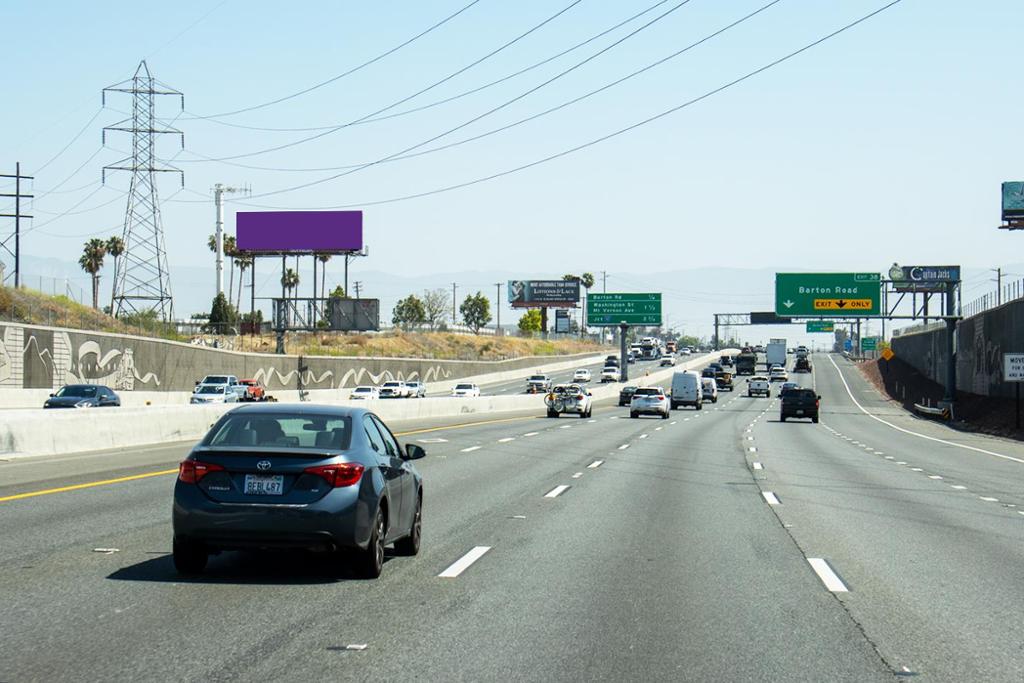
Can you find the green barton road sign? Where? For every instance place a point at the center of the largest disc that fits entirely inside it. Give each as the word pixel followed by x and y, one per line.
pixel 632 309
pixel 842 295
pixel 821 326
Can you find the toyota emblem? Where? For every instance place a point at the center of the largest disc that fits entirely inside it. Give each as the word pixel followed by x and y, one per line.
pixel 263 465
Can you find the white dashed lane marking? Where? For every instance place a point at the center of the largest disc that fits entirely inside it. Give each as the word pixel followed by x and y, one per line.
pixel 758 466
pixel 507 439
pixel 771 498
pixel 594 465
pixel 463 563
pixel 827 575
pixel 471 449
pixel 557 491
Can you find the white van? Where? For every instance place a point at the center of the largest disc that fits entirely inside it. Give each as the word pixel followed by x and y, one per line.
pixel 709 387
pixel 686 390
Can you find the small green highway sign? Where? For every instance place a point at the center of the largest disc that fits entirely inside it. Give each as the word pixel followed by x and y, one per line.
pixel 630 308
pixel 869 343
pixel 844 295
pixel 821 326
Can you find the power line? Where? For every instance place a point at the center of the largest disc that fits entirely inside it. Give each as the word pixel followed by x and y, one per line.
pixel 452 98
pixel 72 141
pixel 609 136
pixel 343 74
pixel 486 113
pixel 508 126
pixel 447 78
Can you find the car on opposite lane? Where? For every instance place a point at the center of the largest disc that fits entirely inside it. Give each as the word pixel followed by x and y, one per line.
pixel 610 373
pixel 320 477
pixel 668 360
pixel 367 391
pixel 213 393
pixel 395 389
pixel 83 396
pixel 417 389
pixel 466 390
pixel 649 401
pixel 581 375
pixel 254 390
pixel 538 384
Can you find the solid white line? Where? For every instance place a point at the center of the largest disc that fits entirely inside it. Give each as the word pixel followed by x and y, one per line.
pixel 507 439
pixel 758 466
pixel 594 465
pixel 557 491
pixel 907 431
pixel 471 449
pixel 577 475
pixel 770 498
pixel 623 446
pixel 827 575
pixel 463 563
pixel 531 434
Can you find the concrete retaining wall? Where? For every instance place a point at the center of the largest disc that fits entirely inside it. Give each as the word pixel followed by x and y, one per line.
pixel 40 432
pixel 34 357
pixel 981 341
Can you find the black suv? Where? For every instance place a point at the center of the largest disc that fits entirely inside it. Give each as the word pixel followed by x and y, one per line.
pixel 800 403
pixel 626 395
pixel 611 361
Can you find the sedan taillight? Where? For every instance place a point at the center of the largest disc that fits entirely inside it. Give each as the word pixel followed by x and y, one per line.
pixel 338 475
pixel 192 471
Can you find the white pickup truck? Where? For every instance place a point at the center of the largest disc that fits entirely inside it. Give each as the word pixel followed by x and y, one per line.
pixel 759 385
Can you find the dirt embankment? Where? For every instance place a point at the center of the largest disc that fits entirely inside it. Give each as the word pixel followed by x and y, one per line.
pixel 900 382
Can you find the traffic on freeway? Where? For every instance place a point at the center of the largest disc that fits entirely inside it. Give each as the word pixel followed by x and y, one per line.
pixel 718 544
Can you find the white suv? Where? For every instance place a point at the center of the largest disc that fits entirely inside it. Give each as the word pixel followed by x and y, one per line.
pixel 649 401
pixel 466 390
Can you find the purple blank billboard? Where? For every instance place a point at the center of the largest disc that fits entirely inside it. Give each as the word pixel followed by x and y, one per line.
pixel 299 231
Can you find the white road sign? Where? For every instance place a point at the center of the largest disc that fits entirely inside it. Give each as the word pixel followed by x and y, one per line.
pixel 1013 367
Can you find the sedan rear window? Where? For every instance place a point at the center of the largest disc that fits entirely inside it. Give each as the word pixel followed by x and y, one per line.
pixel 282 431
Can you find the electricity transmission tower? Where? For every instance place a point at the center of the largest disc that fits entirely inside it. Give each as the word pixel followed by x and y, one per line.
pixel 141 278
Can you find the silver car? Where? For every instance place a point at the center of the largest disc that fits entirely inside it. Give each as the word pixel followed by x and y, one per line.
pixel 213 393
pixel 417 389
pixel 318 477
pixel 649 401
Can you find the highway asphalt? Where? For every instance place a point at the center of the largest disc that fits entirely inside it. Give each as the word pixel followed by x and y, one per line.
pixel 716 545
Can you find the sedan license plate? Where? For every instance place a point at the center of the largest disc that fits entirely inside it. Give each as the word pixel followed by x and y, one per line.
pixel 258 485
pixel 799 412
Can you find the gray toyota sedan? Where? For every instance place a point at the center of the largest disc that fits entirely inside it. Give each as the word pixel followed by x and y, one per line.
pixel 319 477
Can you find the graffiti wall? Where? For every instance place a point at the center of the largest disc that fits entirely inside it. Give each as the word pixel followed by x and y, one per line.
pixel 41 358
pixel 981 341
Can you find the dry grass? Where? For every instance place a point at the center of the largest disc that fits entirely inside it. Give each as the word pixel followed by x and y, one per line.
pixel 31 307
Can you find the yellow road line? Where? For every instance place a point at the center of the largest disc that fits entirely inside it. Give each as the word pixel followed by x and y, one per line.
pixel 105 482
pixel 88 485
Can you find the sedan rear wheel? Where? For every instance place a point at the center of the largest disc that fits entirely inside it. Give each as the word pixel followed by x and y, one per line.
pixel 410 545
pixel 371 561
pixel 189 557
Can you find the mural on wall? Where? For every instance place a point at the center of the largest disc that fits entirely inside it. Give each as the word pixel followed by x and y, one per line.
pixel 116 368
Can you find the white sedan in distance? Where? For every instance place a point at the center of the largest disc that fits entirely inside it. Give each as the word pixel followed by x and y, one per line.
pixel 581 375
pixel 466 390
pixel 364 392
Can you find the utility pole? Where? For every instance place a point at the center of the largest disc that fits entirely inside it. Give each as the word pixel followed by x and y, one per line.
pixel 219 191
pixel 17 216
pixel 453 304
pixel 999 285
pixel 497 306
pixel 358 284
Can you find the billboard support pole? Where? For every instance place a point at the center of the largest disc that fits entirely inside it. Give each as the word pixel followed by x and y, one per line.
pixel 623 360
pixel 717 344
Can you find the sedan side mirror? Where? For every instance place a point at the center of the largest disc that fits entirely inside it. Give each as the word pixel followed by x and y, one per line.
pixel 52 395
pixel 197 383
pixel 414 452
pixel 819 398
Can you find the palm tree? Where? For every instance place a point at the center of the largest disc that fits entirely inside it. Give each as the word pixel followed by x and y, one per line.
pixel 290 281
pixel 91 262
pixel 115 247
pixel 323 259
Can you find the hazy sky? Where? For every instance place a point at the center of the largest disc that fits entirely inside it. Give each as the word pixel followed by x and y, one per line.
pixel 886 143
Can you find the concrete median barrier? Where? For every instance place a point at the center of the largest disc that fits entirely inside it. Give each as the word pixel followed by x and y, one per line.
pixel 51 432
